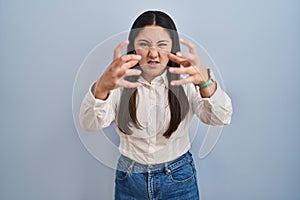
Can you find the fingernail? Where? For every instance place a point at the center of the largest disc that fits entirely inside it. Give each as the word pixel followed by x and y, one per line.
pixel 178 54
pixel 171 69
pixel 138 56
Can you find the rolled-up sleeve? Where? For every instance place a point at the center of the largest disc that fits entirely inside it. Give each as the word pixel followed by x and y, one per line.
pixel 216 110
pixel 96 114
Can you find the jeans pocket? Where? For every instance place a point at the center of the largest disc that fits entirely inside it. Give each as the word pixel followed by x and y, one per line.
pixel 121 175
pixel 183 173
pixel 124 167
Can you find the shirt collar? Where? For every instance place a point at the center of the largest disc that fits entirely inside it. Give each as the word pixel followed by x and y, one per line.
pixel 159 80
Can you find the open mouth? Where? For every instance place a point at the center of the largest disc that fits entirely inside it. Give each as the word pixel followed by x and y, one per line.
pixel 153 63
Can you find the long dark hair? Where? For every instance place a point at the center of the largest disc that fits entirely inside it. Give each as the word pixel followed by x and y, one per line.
pixel 178 102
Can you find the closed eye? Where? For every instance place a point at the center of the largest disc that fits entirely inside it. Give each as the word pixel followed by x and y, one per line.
pixel 143 44
pixel 162 44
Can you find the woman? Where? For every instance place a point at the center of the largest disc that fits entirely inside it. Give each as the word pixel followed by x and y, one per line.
pixel 152 107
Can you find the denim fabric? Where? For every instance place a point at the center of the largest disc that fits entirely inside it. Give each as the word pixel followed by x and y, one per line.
pixel 176 180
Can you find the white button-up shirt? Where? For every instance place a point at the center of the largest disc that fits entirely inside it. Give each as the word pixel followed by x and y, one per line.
pixel 148 145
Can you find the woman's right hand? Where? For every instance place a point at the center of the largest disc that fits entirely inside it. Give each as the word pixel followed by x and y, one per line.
pixel 114 75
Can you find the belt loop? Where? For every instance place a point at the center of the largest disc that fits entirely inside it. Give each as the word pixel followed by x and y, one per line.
pixel 130 167
pixel 167 170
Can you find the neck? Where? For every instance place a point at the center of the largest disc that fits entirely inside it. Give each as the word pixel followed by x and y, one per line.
pixel 148 78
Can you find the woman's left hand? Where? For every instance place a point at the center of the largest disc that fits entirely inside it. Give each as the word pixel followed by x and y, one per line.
pixel 192 66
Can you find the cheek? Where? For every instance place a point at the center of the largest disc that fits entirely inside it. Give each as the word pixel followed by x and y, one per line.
pixel 141 53
pixel 164 58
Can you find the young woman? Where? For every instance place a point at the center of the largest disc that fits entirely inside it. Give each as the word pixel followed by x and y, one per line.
pixel 142 93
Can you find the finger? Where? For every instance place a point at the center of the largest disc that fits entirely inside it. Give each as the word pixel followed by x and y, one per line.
pixel 179 60
pixel 190 45
pixel 133 72
pixel 127 84
pixel 175 58
pixel 129 57
pixel 189 79
pixel 187 56
pixel 118 49
pixel 130 64
pixel 185 70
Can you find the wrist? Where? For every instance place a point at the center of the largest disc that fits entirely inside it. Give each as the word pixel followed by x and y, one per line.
pixel 99 92
pixel 208 91
pixel 206 84
pixel 207 88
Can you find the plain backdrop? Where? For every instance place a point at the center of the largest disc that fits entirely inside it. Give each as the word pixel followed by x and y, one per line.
pixel 255 45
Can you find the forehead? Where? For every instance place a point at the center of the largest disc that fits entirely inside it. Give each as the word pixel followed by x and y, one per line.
pixel 153 33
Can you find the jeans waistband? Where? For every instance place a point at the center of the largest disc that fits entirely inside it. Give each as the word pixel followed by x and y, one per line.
pixel 126 164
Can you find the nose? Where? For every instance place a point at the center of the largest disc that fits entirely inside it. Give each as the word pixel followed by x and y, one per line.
pixel 153 52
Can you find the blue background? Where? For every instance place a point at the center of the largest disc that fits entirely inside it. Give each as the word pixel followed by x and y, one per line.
pixel 255 45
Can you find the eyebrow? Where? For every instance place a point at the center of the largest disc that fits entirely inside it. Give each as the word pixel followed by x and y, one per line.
pixel 143 40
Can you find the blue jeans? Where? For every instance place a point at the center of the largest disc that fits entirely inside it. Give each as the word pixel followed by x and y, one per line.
pixel 175 180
